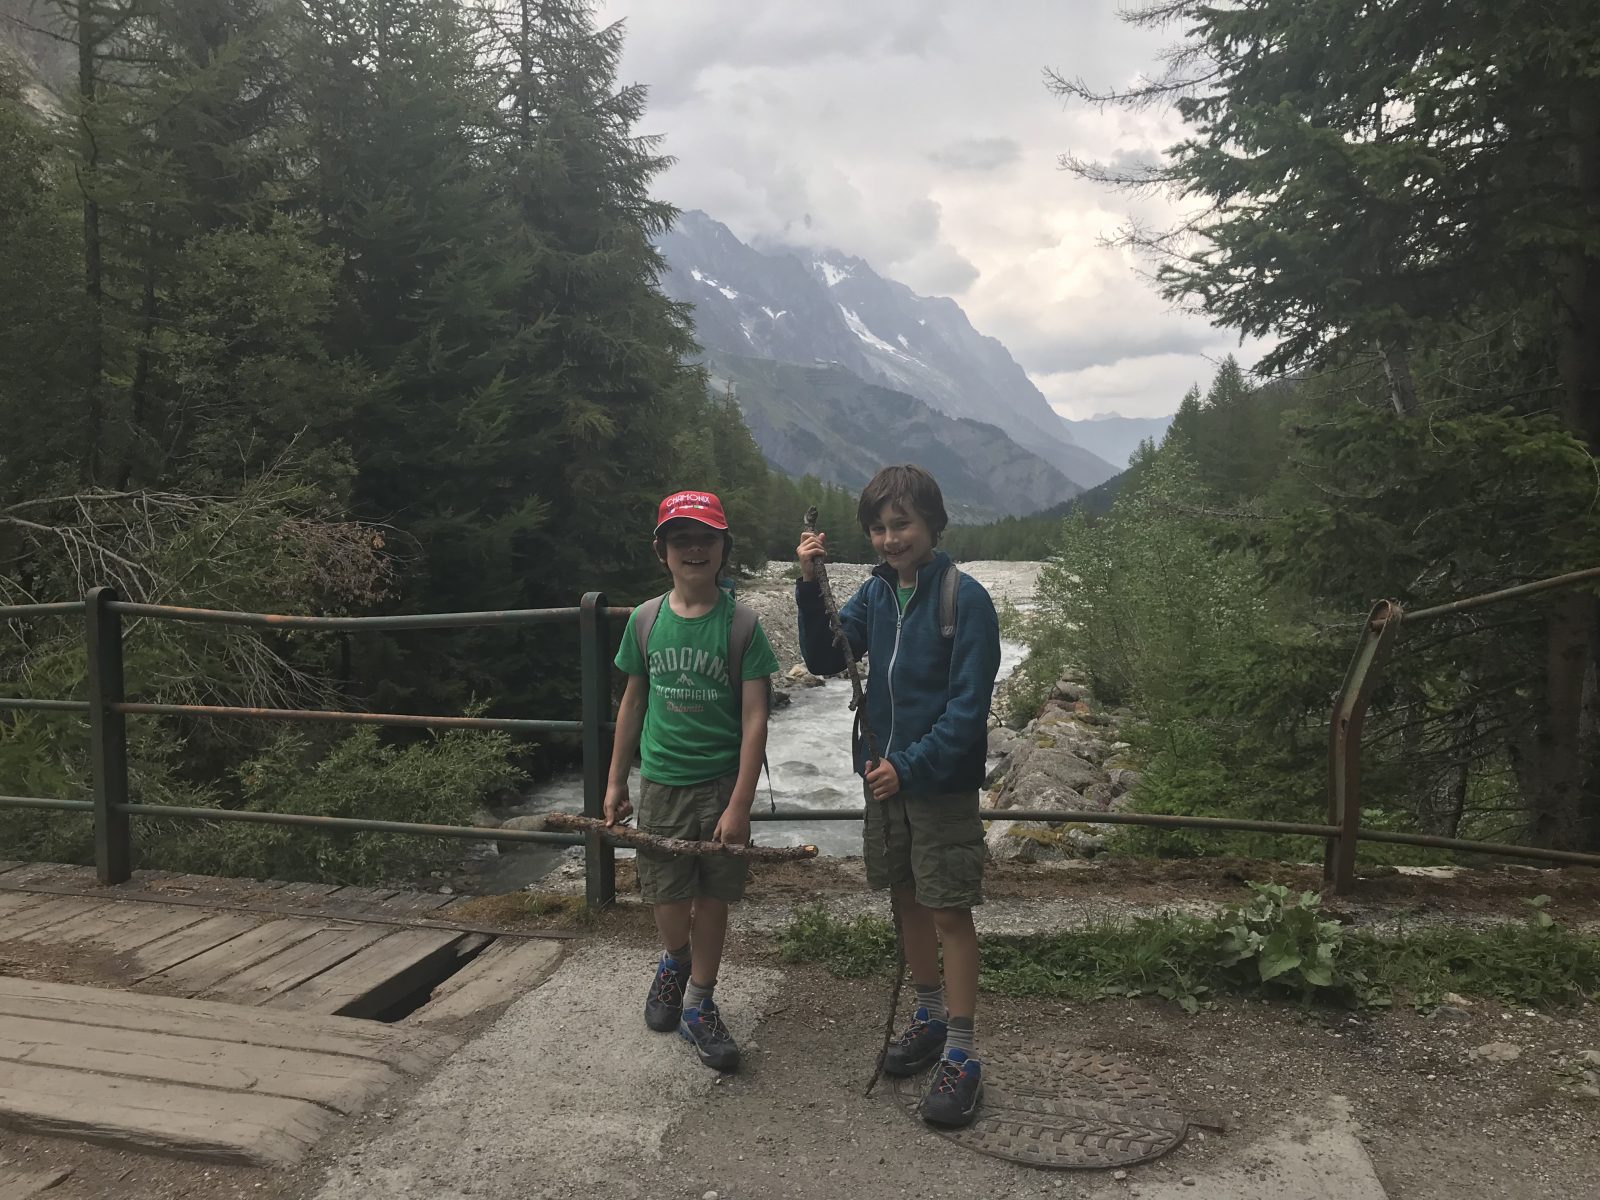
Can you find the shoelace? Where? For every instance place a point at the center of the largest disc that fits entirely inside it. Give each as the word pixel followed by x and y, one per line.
pixel 949 1076
pixel 912 1032
pixel 711 1021
pixel 668 987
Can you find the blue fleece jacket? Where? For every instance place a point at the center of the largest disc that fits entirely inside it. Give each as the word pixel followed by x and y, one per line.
pixel 928 697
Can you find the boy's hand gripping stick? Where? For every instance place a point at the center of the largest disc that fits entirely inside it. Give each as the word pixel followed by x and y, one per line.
pixel 831 606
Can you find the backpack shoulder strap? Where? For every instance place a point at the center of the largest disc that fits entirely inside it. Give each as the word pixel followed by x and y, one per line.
pixel 644 620
pixel 949 584
pixel 740 634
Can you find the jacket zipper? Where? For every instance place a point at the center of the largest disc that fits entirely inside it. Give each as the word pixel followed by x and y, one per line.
pixel 899 620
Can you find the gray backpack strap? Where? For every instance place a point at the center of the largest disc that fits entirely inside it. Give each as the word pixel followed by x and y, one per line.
pixel 740 635
pixel 949 584
pixel 644 619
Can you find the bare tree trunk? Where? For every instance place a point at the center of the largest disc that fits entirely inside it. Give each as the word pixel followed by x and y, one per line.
pixel 1554 775
pixel 141 372
pixel 94 350
pixel 1461 777
pixel 1397 370
pixel 1571 810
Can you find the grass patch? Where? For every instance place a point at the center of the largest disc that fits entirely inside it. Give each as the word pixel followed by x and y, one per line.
pixel 1275 945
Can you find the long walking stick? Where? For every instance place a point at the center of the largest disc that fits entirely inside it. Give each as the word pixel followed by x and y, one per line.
pixel 858 705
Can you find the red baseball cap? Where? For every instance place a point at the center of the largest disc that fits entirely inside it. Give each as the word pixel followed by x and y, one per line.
pixel 692 506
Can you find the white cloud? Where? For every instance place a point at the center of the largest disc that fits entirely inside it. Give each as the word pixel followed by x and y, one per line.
pixel 918 135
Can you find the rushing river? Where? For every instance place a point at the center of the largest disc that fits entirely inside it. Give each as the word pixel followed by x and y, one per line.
pixel 808 747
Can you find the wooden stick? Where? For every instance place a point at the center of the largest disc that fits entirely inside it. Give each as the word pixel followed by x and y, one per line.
pixel 830 605
pixel 894 995
pixel 627 835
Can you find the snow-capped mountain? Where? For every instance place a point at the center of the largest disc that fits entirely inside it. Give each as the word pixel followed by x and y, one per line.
pixel 828 422
pixel 822 308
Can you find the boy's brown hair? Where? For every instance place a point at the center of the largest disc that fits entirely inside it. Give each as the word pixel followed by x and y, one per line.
pixel 908 487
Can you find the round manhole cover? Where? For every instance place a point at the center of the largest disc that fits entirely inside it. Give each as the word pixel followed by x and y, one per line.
pixel 1062 1109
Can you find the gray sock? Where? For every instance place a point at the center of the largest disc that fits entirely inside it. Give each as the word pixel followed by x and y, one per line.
pixel 680 956
pixel 932 999
pixel 961 1037
pixel 695 995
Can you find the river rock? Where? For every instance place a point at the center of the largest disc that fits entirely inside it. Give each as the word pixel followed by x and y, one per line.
pixel 1047 769
pixel 1501 1052
pixel 1040 841
pixel 1034 841
pixel 825 796
pixel 1100 795
pixel 534 822
pixel 1003 740
pixel 802 677
pixel 1087 842
pixel 1067 689
pixel 1124 780
pixel 794 767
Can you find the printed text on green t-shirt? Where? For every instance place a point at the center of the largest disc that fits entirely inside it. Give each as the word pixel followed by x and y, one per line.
pixel 691 729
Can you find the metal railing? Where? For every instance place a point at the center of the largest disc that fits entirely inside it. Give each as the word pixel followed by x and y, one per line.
pixel 1377 641
pixel 107 709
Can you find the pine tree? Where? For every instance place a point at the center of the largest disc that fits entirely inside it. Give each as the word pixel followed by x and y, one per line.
pixel 1393 189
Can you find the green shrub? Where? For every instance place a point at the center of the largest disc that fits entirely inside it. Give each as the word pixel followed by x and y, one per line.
pixel 1275 944
pixel 441 781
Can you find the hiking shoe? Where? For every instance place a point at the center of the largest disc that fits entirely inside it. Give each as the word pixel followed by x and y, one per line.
pixel 957 1087
pixel 663 1008
pixel 712 1042
pixel 918 1047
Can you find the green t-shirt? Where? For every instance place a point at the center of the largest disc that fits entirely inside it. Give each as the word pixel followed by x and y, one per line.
pixel 691 721
pixel 903 594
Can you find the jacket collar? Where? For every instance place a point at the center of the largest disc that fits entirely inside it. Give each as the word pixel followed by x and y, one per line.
pixel 926 574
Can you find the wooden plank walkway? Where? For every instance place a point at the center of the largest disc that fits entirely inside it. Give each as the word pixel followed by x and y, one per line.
pixel 192 1077
pixel 307 947
pixel 225 1021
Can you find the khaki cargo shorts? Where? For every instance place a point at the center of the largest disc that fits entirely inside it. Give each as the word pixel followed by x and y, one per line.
pixel 690 812
pixel 929 844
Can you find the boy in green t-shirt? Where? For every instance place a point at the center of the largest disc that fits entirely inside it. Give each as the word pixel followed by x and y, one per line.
pixel 700 737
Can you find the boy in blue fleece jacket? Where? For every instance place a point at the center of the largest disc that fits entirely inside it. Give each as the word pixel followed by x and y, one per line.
pixel 928 703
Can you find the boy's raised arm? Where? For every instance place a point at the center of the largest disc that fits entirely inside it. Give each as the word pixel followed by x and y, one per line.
pixel 822 654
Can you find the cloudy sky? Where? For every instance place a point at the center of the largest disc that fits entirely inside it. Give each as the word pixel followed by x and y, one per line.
pixel 918 135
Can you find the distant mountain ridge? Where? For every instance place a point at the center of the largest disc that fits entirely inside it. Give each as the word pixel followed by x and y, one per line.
pixel 827 421
pixel 822 308
pixel 1115 437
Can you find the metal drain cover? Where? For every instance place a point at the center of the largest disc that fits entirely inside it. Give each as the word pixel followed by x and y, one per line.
pixel 1062 1110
